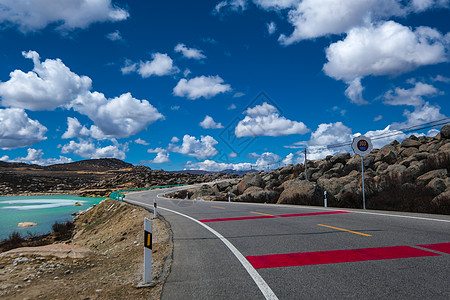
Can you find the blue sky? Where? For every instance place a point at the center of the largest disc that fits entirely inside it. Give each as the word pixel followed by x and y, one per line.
pixel 217 84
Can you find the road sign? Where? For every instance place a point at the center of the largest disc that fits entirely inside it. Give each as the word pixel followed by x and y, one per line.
pixel 362 145
pixel 147 251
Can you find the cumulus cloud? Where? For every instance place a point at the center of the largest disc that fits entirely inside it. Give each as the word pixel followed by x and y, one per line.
pixel 383 49
pixel 18 130
pixel 384 136
pixel 87 149
pixel 35 156
pixel 423 5
pixel 50 85
pixel 420 115
pixel 209 123
pixel 213 166
pixel 203 86
pixel 68 14
pixel 199 148
pixel 141 142
pixel 76 130
pixel 160 65
pixel 161 157
pixel 413 96
pixel 316 18
pixel 265 120
pixel 276 4
pixel 119 117
pixel 331 133
pixel 189 52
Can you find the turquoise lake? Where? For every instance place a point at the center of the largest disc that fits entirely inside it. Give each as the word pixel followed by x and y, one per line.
pixel 43 210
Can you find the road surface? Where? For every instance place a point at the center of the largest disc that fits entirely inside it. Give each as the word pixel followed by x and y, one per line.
pixel 263 251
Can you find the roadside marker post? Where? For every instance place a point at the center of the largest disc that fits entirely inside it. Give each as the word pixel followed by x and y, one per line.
pixel 155 205
pixel 362 146
pixel 147 251
pixel 325 199
pixel 229 197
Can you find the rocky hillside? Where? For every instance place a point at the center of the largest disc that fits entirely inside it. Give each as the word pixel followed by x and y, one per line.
pixel 409 176
pixel 96 177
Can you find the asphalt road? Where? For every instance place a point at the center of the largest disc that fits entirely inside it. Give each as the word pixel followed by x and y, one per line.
pixel 266 251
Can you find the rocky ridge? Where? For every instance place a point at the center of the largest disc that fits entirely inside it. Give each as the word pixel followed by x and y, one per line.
pixel 409 176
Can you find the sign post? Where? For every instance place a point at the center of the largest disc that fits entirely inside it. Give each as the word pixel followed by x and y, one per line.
pixel 362 146
pixel 147 251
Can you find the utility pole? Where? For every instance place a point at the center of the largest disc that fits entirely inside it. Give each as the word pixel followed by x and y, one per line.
pixel 306 167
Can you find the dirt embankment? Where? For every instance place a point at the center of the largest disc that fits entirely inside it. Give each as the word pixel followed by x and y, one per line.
pixel 103 260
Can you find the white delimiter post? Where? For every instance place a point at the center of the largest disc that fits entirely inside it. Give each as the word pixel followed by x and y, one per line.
pixel 147 251
pixel 155 213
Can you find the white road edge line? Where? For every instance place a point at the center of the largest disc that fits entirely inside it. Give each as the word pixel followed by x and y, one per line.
pixel 260 282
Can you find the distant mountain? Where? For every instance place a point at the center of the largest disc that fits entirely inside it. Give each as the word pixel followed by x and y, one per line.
pixel 93 165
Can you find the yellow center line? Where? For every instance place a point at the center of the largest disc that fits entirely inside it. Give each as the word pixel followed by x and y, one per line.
pixel 218 207
pixel 355 232
pixel 254 212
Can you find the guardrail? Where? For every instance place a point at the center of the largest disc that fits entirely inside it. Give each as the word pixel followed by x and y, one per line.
pixel 119 195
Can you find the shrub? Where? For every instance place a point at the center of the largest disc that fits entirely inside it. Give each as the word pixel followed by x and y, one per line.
pixel 64 230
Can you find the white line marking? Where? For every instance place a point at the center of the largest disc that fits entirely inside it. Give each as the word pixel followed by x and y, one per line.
pixel 262 285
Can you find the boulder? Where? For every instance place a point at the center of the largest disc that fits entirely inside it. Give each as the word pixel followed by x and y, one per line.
pixel 442 201
pixel 340 158
pixel 436 186
pixel 387 154
pixel 427 177
pixel 223 186
pixel 445 132
pixel 410 142
pixel 406 152
pixel 253 179
pixel 256 194
pixel 397 170
pixel 299 192
pixel 335 185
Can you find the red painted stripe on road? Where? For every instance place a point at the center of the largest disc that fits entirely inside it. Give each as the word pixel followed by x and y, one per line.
pixel 335 256
pixel 278 216
pixel 444 247
pixel 314 214
pixel 236 219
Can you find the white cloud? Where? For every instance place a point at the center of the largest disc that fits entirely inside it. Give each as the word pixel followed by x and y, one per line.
pixel 238 95
pixel 68 14
pixel 413 96
pixel 213 166
pixel 18 130
pixel 423 5
pixel 141 142
pixel 189 52
pixel 276 4
pixel 114 36
pixel 232 106
pixel 265 120
pixel 203 86
pixel 36 157
pixel 76 130
pixel 440 78
pixel 118 117
pixel 161 157
pixel 354 91
pixel 50 85
pixel 175 107
pixel 384 49
pixel 4 158
pixel 330 134
pixel 271 28
pixel 377 118
pixel 380 138
pixel 420 115
pixel 316 18
pixel 174 140
pixel 160 65
pixel 199 148
pixel 230 5
pixel 88 149
pixel 129 67
pixel 233 155
pixel 209 123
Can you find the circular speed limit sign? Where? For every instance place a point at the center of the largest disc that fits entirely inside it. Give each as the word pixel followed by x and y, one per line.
pixel 362 145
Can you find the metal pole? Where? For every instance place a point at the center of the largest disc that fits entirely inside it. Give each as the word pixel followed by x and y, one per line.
pixel 147 251
pixel 363 190
pixel 306 167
